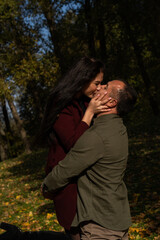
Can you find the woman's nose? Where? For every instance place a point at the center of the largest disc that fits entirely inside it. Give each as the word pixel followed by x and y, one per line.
pixel 98 87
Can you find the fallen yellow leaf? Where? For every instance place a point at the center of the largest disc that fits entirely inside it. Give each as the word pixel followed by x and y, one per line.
pixel 49 215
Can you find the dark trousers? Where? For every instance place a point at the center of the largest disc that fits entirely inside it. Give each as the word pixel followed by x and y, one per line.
pixel 14 233
pixel 74 233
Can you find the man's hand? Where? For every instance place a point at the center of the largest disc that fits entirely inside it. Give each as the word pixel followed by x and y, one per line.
pixel 46 193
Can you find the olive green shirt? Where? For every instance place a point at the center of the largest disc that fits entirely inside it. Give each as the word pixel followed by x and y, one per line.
pixel 99 160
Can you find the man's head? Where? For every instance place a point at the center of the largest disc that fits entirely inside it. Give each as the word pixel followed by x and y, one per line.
pixel 121 96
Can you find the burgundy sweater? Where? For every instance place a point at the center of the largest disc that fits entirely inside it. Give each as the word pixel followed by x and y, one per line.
pixel 67 128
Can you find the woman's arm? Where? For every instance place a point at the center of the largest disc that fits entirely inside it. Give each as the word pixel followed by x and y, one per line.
pixel 95 106
pixel 67 128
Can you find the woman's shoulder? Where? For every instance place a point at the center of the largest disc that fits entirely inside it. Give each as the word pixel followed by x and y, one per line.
pixel 76 105
pixel 73 105
pixel 71 111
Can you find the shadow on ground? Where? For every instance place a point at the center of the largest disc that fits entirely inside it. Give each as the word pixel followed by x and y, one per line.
pixel 32 165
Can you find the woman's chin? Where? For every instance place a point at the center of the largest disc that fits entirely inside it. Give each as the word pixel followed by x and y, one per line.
pixel 91 96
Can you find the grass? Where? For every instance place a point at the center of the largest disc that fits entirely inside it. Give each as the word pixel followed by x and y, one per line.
pixel 23 205
pixel 21 201
pixel 143 186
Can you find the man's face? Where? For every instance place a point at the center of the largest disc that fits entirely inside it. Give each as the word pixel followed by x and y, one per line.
pixel 114 84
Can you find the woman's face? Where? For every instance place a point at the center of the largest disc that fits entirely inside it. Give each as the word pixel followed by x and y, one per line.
pixel 93 86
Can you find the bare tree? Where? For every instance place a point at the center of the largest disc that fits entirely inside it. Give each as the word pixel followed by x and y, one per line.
pixel 3 145
pixel 19 124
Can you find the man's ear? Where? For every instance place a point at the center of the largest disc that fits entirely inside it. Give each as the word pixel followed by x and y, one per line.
pixel 112 103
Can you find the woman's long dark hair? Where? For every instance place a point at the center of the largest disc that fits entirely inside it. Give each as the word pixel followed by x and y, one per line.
pixel 81 74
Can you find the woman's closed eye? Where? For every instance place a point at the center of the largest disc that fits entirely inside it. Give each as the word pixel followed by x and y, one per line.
pixel 97 83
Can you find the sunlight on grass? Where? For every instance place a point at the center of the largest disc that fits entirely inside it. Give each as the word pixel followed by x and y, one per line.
pixel 21 201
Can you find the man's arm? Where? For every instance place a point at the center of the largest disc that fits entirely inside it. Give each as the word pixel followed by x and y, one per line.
pixel 87 151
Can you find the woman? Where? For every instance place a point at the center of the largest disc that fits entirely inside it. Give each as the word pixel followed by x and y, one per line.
pixel 68 115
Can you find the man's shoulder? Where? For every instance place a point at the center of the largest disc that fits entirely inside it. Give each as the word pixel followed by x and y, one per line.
pixel 90 137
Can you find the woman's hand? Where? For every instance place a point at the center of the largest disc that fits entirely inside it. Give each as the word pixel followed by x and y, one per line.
pixel 97 104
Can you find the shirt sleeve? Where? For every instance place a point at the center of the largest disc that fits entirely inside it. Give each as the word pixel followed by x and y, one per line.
pixel 66 130
pixel 86 152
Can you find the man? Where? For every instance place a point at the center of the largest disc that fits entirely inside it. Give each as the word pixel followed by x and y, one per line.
pixel 99 161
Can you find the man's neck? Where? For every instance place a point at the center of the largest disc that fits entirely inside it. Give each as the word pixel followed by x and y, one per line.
pixel 111 111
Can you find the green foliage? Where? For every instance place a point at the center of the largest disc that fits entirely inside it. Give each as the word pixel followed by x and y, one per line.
pixel 16 38
pixel 30 63
pixel 35 76
pixel 26 73
pixel 42 70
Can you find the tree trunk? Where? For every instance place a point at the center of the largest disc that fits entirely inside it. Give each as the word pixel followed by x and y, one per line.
pixel 6 118
pixel 145 76
pixel 3 155
pixel 38 106
pixel 101 30
pixel 9 134
pixel 90 30
pixel 19 124
pixel 3 145
pixel 48 11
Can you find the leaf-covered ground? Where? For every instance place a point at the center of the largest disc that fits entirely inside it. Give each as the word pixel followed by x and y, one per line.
pixel 143 183
pixel 21 201
pixel 23 205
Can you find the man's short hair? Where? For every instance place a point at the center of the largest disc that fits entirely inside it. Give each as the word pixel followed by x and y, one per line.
pixel 127 98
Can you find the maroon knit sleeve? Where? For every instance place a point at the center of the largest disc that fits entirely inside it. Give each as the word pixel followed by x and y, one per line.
pixel 68 128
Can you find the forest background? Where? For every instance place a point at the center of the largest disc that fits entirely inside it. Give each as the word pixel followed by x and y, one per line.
pixel 39 42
